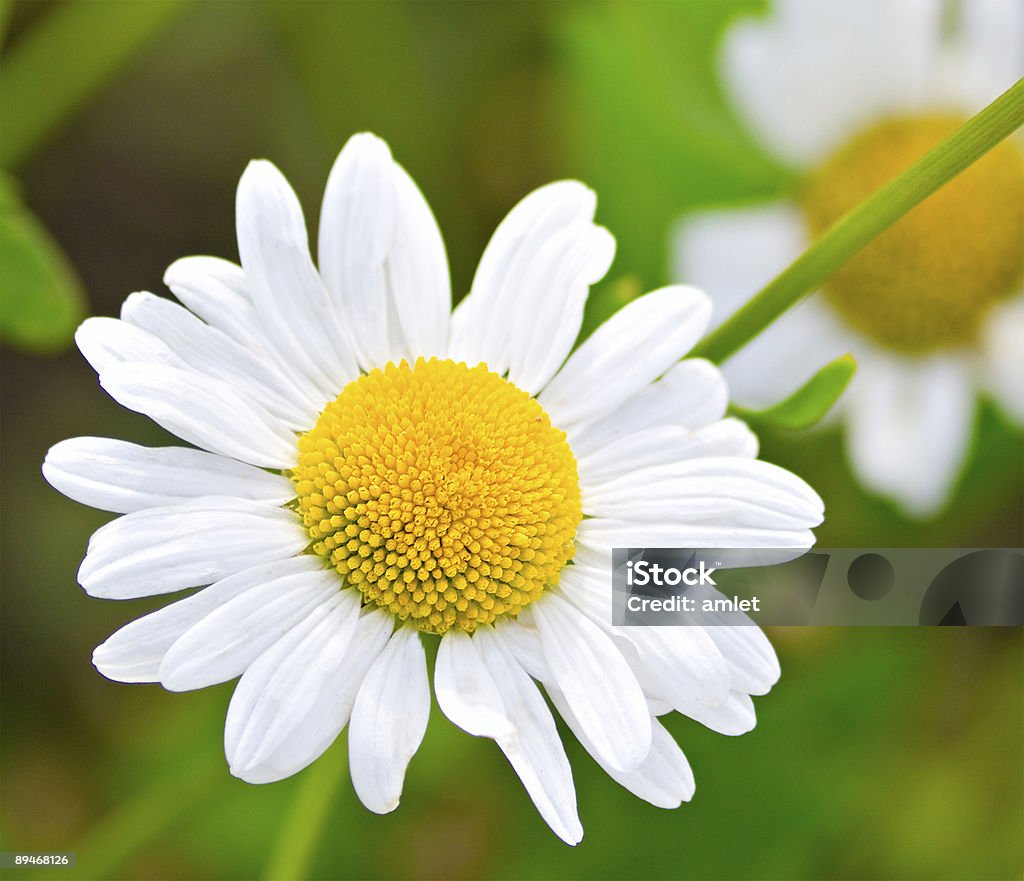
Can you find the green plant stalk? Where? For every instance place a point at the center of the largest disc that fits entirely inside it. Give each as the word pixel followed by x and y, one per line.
pixel 297 842
pixel 68 56
pixel 859 226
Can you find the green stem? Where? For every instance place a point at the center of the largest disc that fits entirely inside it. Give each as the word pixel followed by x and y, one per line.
pixel 296 844
pixel 867 221
pixel 69 55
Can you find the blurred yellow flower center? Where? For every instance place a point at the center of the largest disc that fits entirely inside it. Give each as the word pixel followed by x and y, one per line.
pixel 926 281
pixel 442 492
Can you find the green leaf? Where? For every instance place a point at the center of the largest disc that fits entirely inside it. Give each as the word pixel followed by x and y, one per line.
pixel 809 403
pixel 41 299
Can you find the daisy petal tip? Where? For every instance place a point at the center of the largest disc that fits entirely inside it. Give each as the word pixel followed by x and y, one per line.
pixel 574 192
pixel 52 466
pixel 587 196
pixel 366 145
pixel 745 726
pixel 603 247
pixel 134 302
pixel 631 759
pixel 243 766
pixel 571 836
pixel 379 805
pixel 172 680
pixel 175 272
pixel 101 661
pixel 240 772
pixel 110 661
pixel 86 577
pixel 261 181
pixel 252 174
pixel 695 298
pixel 184 271
pixel 106 671
pixel 89 337
pixel 257 167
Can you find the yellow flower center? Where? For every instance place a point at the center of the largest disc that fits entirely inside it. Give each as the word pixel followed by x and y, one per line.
pixel 442 492
pixel 926 281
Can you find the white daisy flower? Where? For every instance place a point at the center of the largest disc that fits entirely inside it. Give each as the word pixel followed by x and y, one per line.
pixel 850 94
pixel 373 472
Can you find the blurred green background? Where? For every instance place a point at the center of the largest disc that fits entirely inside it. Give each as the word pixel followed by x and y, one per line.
pixel 882 753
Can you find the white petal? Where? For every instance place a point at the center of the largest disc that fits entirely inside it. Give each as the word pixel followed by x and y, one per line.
pixel 329 711
pixel 595 559
pixel 721 651
pixel 215 290
pixel 753 664
pixel 523 641
pixel 663 446
pixel 1003 357
pixel 134 653
pixel 596 681
pixel 692 394
pixel 717 493
pixel 284 683
pixel 692 669
pixel 382 257
pixel 157 332
pixel 606 370
pixel 910 426
pixel 663 779
pixel 389 720
pixel 558 279
pixel 213 353
pixel 732 716
pixel 686 661
pixel 604 534
pixel 875 55
pixel 417 272
pixel 493 321
pixel 107 341
pixel 700 503
pixel 228 640
pixel 590 591
pixel 203 411
pixel 295 310
pixel 534 749
pixel 118 476
pixel 466 691
pixel 357 228
pixel 160 550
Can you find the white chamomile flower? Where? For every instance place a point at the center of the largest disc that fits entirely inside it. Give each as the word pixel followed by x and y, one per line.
pixel 374 472
pixel 850 93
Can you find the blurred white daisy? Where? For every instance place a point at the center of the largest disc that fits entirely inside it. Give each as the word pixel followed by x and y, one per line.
pixel 374 471
pixel 850 93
